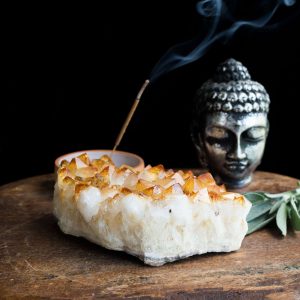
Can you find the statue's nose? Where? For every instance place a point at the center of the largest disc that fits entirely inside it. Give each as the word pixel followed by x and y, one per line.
pixel 237 152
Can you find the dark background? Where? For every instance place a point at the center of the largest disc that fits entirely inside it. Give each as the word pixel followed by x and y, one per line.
pixel 71 74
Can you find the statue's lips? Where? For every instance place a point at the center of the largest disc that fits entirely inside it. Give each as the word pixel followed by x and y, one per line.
pixel 236 166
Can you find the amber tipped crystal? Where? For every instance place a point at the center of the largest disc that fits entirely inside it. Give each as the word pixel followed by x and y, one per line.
pixel 153 182
pixel 84 158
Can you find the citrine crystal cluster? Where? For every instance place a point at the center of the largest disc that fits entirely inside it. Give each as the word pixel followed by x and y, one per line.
pixel 157 215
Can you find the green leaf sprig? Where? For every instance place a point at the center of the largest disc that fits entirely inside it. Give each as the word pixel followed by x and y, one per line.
pixel 267 207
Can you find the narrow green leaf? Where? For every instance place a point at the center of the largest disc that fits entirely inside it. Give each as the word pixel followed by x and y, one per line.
pixel 255 197
pixel 259 209
pixel 289 209
pixel 295 217
pixel 278 196
pixel 281 218
pixel 259 223
pixel 298 201
pixel 275 207
pixel 294 206
pixel 296 194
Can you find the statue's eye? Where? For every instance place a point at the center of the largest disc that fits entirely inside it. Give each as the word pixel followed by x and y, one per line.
pixel 217 136
pixel 255 134
pixel 217 133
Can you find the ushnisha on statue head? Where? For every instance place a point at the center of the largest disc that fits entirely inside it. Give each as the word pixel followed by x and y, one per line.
pixel 230 124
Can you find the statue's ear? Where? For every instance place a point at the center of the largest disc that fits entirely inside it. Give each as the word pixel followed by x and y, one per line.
pixel 199 144
pixel 195 135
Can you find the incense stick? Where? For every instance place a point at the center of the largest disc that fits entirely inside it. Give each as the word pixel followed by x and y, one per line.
pixel 130 114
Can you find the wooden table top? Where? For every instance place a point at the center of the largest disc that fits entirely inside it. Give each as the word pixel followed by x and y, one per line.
pixel 38 261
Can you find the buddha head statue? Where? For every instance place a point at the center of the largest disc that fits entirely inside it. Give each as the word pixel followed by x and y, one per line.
pixel 230 124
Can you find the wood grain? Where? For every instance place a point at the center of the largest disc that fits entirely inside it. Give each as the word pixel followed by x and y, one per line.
pixel 37 261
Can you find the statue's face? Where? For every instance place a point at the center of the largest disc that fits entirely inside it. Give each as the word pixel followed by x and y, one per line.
pixel 234 144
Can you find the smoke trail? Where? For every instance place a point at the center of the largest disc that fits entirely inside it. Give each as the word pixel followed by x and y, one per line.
pixel 216 11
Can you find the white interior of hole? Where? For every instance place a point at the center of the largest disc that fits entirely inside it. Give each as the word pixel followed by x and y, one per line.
pixel 118 158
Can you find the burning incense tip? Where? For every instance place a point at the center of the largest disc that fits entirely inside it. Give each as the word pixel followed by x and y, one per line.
pixel 140 93
pixel 130 114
